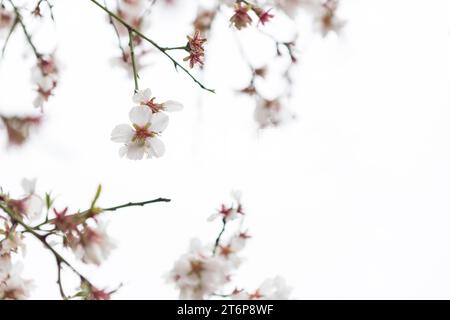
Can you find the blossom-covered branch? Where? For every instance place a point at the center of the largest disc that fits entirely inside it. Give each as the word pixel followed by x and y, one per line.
pixel 83 232
pixel 45 72
pixel 207 272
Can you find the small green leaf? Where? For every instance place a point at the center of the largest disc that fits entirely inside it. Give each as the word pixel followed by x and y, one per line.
pixel 97 195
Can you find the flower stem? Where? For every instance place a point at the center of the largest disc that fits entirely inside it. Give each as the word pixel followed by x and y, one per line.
pixel 217 242
pixel 25 31
pixel 133 60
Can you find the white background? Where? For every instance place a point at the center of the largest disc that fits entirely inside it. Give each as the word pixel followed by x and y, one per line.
pixel 351 200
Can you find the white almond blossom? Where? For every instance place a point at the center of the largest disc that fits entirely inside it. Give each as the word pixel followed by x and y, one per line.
pixel 44 75
pixel 141 138
pixel 230 252
pixel 144 97
pixel 326 19
pixel 229 213
pixel 271 113
pixel 12 243
pixel 198 274
pixel 95 245
pixel 31 205
pixel 271 289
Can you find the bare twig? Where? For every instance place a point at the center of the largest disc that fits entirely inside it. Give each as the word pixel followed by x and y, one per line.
pixel 25 31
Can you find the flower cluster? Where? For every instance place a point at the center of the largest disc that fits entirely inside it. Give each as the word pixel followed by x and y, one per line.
pixel 207 271
pixel 45 77
pixel 148 120
pixel 90 242
pixel 195 49
pixel 18 127
pixel 12 285
pixel 269 113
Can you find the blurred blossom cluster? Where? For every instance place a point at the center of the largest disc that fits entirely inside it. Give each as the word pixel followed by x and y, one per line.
pixel 34 215
pixel 207 271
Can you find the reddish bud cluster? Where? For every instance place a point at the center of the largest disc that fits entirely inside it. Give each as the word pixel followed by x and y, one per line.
pixel 196 50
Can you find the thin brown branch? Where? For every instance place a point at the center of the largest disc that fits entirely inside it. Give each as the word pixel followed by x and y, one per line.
pixel 153 43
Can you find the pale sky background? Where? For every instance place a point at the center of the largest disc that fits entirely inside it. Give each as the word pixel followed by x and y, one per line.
pixel 351 200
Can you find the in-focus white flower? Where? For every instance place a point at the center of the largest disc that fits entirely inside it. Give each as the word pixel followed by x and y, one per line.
pixel 197 274
pixel 95 245
pixel 141 138
pixel 145 98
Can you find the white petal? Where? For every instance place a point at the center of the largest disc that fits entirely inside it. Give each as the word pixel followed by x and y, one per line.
pixel 237 195
pixel 34 207
pixel 38 102
pixel 122 133
pixel 140 115
pixel 123 151
pixel 142 96
pixel 159 122
pixel 29 185
pixel 213 217
pixel 171 106
pixel 157 148
pixel 135 151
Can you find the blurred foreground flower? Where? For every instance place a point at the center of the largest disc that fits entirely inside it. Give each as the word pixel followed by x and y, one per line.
pixel 18 128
